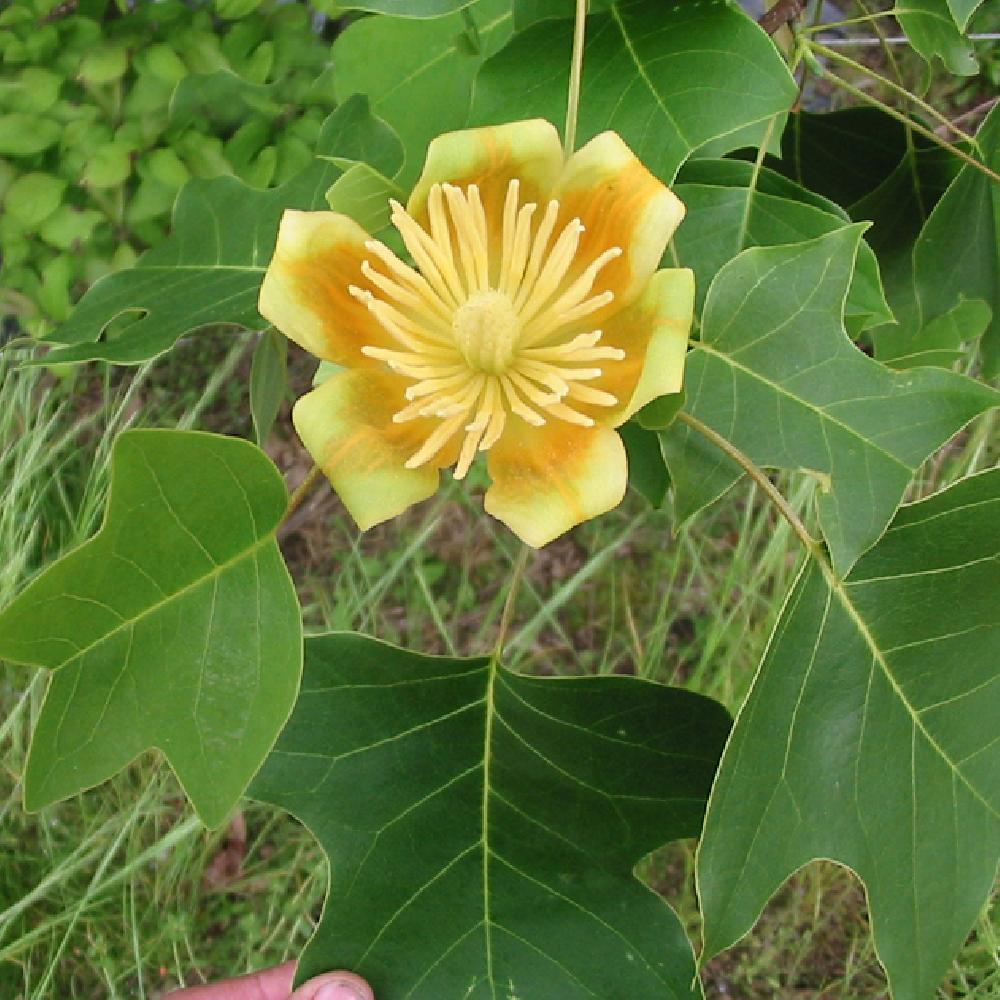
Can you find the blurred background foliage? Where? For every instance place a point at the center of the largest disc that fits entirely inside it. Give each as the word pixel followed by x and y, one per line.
pixel 107 110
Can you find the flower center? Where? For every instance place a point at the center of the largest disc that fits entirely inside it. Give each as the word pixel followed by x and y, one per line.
pixel 486 331
pixel 488 326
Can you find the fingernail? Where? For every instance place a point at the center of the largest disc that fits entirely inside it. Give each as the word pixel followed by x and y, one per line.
pixel 339 989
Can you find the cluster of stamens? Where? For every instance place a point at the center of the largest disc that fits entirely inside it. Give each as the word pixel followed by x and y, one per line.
pixel 486 332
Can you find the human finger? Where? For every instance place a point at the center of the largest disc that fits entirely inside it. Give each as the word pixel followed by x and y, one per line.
pixel 334 986
pixel 268 984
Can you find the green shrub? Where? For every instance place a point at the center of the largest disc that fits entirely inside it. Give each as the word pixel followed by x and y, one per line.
pixel 105 113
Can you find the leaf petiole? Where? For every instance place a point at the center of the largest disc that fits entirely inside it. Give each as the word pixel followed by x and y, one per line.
pixel 575 76
pixel 507 615
pixel 812 546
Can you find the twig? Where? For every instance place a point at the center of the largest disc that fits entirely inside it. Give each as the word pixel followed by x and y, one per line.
pixel 906 120
pixel 928 109
pixel 301 492
pixel 782 13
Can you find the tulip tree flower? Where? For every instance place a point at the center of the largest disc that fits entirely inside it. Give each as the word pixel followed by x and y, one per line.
pixel 529 323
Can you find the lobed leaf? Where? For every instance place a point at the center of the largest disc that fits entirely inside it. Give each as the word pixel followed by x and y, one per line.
pixel 421 82
pixel 775 374
pixel 733 205
pixel 209 269
pixel 175 627
pixel 932 30
pixel 482 827
pixel 870 737
pixel 667 77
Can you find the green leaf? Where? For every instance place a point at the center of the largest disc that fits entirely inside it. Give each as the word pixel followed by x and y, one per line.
pixel 57 275
pixel 892 179
pixel 175 627
pixel 221 97
pixel 8 174
pixel 870 737
pixel 210 269
pixel 843 155
pixel 529 12
pixel 941 341
pixel 667 77
pixel 32 198
pixel 940 247
pixel 104 64
pixel 732 206
pixel 69 227
pixel 257 67
pixel 26 135
pixel 260 172
pixel 482 827
pixel 150 202
pixel 166 168
pixel 776 375
pixel 162 62
pixel 932 31
pixel 957 254
pixel 363 194
pixel 36 90
pixel 268 381
pixel 110 166
pixel 660 413
pixel 421 82
pixel 354 134
pixel 248 140
pixel 647 471
pixel 962 11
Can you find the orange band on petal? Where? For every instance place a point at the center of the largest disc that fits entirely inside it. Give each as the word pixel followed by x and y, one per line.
pixel 653 333
pixel 548 479
pixel 306 290
pixel 347 426
pixel 621 204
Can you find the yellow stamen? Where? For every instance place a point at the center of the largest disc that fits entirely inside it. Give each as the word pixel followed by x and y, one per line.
pixel 488 330
pixel 597 397
pixel 517 405
pixel 556 265
pixel 512 270
pixel 538 248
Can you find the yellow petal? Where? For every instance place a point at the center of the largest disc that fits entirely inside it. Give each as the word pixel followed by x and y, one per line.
pixel 305 290
pixel 548 479
pixel 346 425
pixel 490 158
pixel 621 204
pixel 653 331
